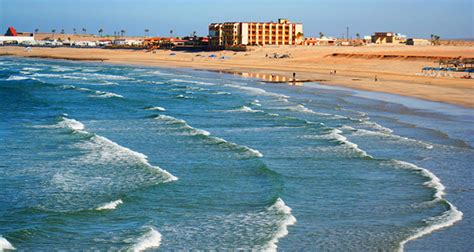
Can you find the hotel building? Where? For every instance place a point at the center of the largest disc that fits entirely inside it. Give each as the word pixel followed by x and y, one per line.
pixel 241 33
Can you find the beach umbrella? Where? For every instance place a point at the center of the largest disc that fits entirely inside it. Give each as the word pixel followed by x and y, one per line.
pixel 427 68
pixel 212 56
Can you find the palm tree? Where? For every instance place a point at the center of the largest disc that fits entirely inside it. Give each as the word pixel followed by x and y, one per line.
pixel 62 31
pixel 36 31
pixel 74 30
pixel 358 35
pixel 84 30
pixel 321 35
pixel 194 34
pixel 122 32
pixel 146 32
pixel 435 39
pixel 53 31
pixel 100 31
pixel 171 33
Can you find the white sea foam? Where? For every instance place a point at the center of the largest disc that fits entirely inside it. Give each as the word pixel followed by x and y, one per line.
pixel 257 91
pixel 256 103
pixel 248 150
pixel 245 109
pixel 336 134
pixel 193 82
pixel 17 78
pixel 288 219
pixel 221 93
pixel 89 70
pixel 156 108
pixel 110 205
pixel 31 69
pixel 71 124
pixel 446 219
pixel 60 76
pixel 62 69
pixel 112 149
pixel 151 239
pixel 386 134
pixel 115 148
pixel 170 119
pixel 434 182
pixel 191 131
pixel 5 244
pixel 96 94
pixel 98 76
pixel 109 83
pixel 103 94
pixel 156 72
pixel 183 97
pixel 377 126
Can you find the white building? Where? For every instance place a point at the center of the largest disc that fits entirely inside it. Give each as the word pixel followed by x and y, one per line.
pixel 16 39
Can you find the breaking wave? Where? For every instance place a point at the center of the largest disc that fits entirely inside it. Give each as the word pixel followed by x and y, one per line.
pixel 446 219
pixel 386 134
pixel 156 109
pixel 5 244
pixel 245 109
pixel 112 147
pixel 287 219
pixel 102 94
pixel 191 131
pixel 17 78
pixel 110 206
pixel 257 91
pixel 94 93
pixel 151 239
pixel 193 82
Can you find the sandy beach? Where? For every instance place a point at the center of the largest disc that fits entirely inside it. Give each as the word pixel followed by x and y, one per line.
pixel 397 68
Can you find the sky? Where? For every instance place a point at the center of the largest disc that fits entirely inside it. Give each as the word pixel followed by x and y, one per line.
pixel 414 18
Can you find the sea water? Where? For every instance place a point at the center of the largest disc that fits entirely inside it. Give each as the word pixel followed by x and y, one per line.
pixel 104 157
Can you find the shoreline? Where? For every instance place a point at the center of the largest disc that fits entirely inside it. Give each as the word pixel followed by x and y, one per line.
pixel 417 237
pixel 355 73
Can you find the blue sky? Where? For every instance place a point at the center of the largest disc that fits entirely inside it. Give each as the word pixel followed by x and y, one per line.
pixel 415 18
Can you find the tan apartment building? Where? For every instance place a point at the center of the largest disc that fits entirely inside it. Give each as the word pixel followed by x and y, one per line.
pixel 251 33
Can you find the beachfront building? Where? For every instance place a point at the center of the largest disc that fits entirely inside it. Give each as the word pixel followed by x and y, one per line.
pixel 283 32
pixel 323 41
pixel 388 38
pixel 12 36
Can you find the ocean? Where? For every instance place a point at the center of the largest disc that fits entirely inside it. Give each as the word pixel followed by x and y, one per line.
pixel 96 156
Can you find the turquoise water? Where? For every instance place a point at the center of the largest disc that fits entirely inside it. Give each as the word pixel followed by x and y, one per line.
pixel 104 157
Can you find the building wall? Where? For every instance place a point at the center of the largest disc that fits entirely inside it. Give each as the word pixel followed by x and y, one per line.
pixel 18 39
pixel 281 33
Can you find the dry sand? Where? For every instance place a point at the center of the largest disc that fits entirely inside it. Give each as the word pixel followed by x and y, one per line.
pixel 356 67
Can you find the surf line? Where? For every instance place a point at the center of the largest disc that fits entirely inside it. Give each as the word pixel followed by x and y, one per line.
pixel 77 127
pixel 191 131
pixel 446 219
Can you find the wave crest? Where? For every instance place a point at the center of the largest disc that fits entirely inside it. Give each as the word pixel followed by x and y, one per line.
pixel 151 239
pixel 110 206
pixel 287 220
pixel 5 244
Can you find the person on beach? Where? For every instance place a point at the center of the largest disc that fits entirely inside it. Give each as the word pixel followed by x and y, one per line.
pixel 294 77
pixel 375 78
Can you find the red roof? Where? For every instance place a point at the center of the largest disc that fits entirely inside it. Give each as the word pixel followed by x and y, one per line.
pixel 11 32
